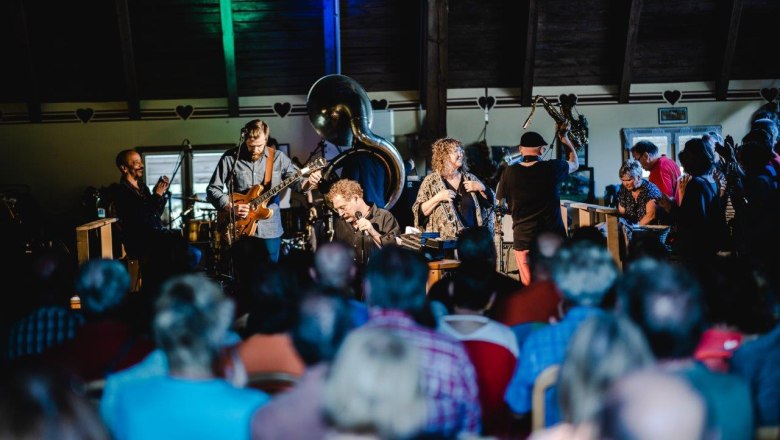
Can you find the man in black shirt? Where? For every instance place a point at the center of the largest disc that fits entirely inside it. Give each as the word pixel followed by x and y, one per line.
pixel 530 188
pixel 364 227
pixel 138 208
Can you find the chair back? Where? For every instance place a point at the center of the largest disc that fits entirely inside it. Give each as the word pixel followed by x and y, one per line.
pixel 494 365
pixel 272 382
pixel 544 381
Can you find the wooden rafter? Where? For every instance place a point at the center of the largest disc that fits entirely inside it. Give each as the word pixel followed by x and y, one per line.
pixel 33 94
pixel 128 58
pixel 722 81
pixel 530 54
pixel 229 49
pixel 634 13
pixel 436 57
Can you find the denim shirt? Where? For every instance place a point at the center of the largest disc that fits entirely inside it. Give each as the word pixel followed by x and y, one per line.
pixel 248 174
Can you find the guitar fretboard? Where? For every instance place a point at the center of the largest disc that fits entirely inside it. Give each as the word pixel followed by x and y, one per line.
pixel 277 189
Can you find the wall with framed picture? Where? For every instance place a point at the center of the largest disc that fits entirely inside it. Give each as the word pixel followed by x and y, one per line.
pixel 672 115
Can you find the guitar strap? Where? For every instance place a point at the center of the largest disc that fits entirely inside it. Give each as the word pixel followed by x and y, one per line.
pixel 269 167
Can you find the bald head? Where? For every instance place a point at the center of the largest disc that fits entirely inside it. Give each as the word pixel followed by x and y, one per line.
pixel 334 265
pixel 649 405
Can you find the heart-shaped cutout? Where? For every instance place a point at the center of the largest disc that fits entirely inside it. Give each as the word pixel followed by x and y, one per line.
pixel 770 94
pixel 85 114
pixel 569 100
pixel 486 102
pixel 184 111
pixel 379 104
pixel 282 108
pixel 672 96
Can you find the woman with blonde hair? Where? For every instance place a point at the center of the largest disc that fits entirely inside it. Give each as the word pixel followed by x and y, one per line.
pixel 451 199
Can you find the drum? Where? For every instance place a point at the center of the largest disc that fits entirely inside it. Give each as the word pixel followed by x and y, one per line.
pixel 199 231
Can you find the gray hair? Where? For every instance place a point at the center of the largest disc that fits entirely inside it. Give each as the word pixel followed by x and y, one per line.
pixel 604 349
pixel 584 272
pixel 630 167
pixel 333 263
pixel 102 285
pixel 192 319
pixel 375 386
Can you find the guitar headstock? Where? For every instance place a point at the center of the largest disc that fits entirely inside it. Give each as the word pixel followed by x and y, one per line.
pixel 314 165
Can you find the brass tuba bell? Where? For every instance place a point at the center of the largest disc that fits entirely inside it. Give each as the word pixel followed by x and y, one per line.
pixel 338 109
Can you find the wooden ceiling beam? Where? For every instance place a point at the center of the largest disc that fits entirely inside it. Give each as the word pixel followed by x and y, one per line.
pixel 229 50
pixel 128 59
pixel 434 86
pixel 23 35
pixel 331 26
pixel 624 90
pixel 730 45
pixel 530 53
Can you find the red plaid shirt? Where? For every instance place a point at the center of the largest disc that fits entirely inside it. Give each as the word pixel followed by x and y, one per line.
pixel 449 377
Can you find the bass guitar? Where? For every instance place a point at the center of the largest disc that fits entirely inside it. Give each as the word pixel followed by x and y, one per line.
pixel 257 199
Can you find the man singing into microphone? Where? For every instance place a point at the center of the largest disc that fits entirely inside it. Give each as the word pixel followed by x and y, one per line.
pixel 364 227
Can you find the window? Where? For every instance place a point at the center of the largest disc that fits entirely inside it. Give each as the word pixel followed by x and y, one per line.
pixel 188 187
pixel 669 140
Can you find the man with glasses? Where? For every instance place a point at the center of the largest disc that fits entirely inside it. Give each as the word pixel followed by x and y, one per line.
pixel 364 227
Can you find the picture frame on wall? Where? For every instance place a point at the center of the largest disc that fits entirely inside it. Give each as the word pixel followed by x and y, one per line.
pixel 672 115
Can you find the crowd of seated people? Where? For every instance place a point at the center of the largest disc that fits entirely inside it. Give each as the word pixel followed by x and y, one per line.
pixel 690 337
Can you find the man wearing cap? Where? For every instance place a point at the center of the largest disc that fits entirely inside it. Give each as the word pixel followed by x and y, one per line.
pixel 530 189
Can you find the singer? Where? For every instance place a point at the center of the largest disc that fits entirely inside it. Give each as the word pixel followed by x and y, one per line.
pixel 364 227
pixel 250 164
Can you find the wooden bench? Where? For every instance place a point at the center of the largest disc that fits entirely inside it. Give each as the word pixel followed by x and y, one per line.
pixel 586 214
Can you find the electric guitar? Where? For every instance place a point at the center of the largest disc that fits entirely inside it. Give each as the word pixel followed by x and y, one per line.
pixel 257 199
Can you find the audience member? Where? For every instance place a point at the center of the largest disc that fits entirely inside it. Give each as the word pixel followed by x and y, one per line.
pixel 604 349
pixel 664 172
pixel 37 403
pixel 637 196
pixel 395 290
pixel 583 272
pixel 324 321
pixel 374 388
pixel 192 320
pixel 335 268
pixel 665 302
pixel 650 405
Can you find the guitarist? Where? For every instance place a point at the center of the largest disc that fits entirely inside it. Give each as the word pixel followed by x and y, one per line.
pixel 257 164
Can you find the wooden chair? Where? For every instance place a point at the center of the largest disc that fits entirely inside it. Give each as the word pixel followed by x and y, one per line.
pixel 546 379
pixel 273 382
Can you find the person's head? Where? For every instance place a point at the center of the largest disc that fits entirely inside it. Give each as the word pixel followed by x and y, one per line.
pixel 630 174
pixel 334 265
pixel 37 403
pixel 712 140
pixel 272 142
pixel 273 295
pixel 649 404
pixel 375 387
pixel 472 289
pixel 130 164
pixel 192 319
pixel 447 155
pixel 395 279
pixel 256 139
pixel 603 349
pixel 532 144
pixel 477 244
pixel 769 125
pixel 754 156
pixel 346 197
pixel 646 153
pixel 584 272
pixel 664 300
pixel 696 158
pixel 324 320
pixel 102 285
pixel 540 255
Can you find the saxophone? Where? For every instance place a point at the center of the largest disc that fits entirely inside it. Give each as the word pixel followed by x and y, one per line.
pixel 579 126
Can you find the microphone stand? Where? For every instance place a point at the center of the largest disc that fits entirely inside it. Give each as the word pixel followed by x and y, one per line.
pixel 232 228
pixel 186 144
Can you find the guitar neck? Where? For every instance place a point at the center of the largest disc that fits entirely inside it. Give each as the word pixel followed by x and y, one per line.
pixel 277 189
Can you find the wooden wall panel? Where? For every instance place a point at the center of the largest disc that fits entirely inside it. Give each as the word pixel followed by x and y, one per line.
pixel 757 49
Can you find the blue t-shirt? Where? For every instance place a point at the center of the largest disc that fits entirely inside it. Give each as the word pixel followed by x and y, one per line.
pixel 174 408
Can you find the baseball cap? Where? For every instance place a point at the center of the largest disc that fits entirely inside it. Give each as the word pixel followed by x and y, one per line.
pixel 532 139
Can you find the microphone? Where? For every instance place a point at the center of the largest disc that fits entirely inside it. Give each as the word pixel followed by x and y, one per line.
pixel 359 215
pixel 187 211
